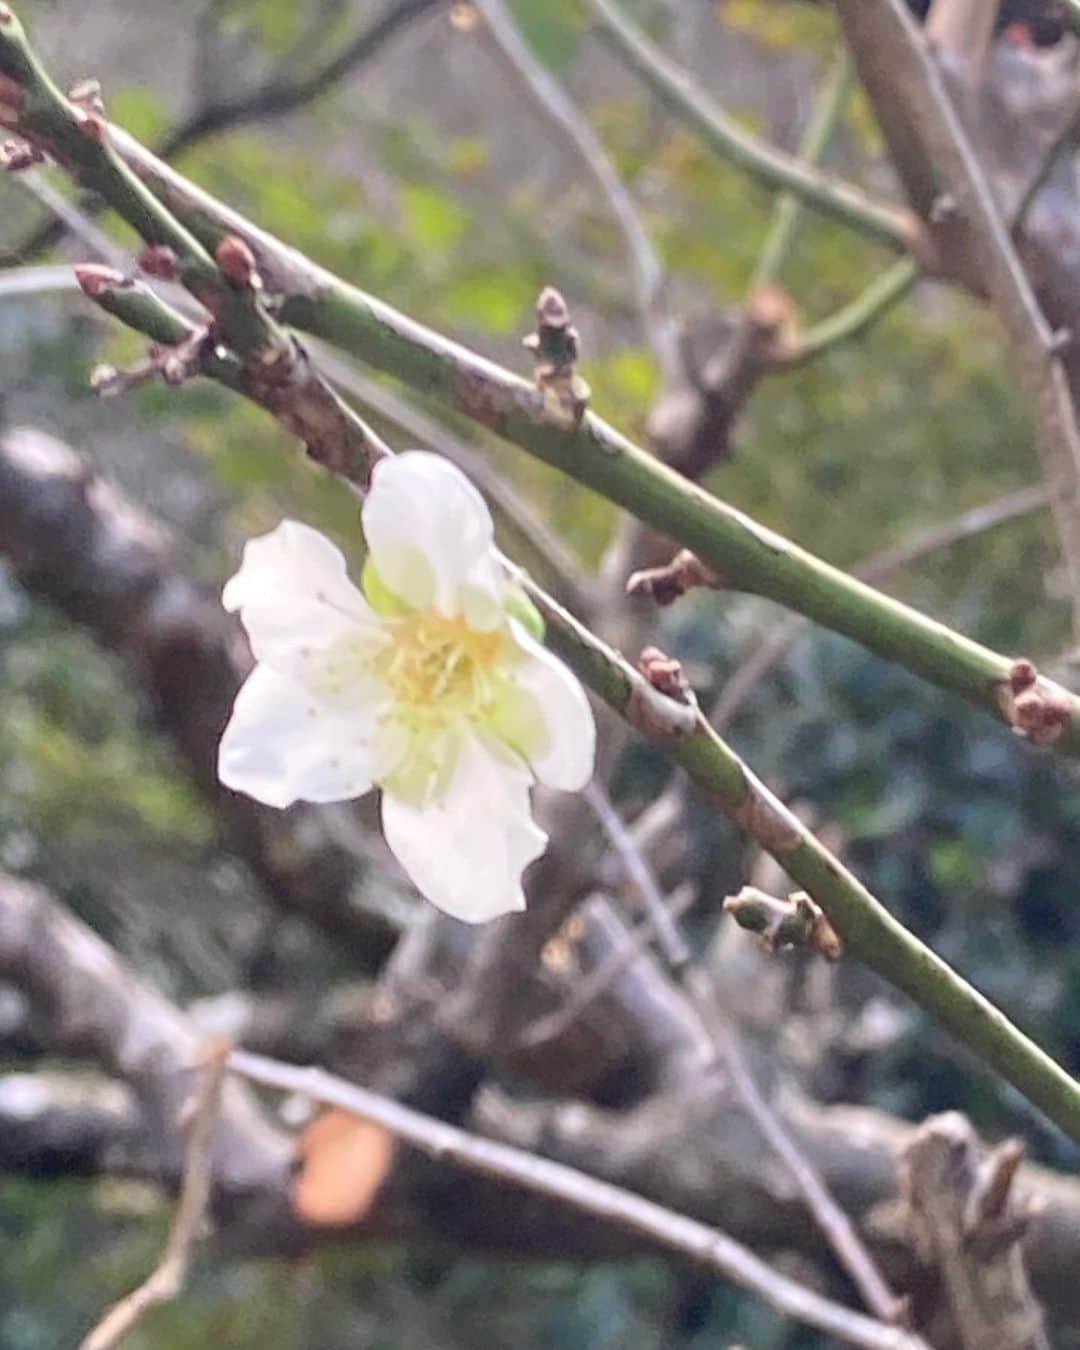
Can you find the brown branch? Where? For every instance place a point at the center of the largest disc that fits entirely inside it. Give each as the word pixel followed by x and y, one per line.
pixel 167 1281
pixel 703 1244
pixel 968 1227
pixel 948 186
pixel 77 543
pixel 89 1004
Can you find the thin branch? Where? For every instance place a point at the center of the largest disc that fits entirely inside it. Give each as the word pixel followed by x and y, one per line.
pixel 557 107
pixel 747 677
pixel 853 319
pixel 281 96
pixel 867 929
pixel 788 212
pixel 276 98
pixel 839 1231
pixel 71 217
pixel 701 1243
pixel 675 88
pixel 561 568
pixel 748 556
pixel 167 1281
pixel 598 981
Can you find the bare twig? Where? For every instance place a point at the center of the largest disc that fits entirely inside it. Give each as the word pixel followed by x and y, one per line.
pixel 838 1229
pixel 167 1280
pixel 680 93
pixel 560 111
pixel 277 97
pixel 600 980
pixel 708 1246
pixel 788 211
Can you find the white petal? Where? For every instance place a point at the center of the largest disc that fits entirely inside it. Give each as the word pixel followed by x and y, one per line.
pixel 430 534
pixel 293 591
pixel 282 746
pixel 466 852
pixel 568 750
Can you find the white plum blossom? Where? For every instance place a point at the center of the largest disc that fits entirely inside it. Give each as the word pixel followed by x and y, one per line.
pixel 428 685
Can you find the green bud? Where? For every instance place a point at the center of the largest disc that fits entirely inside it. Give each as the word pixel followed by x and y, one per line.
pixel 520 607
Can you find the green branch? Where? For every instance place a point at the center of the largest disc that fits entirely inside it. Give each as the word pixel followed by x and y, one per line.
pixel 78 137
pixel 746 555
pixel 853 319
pixel 870 934
pixel 677 91
pixel 788 213
pixel 868 931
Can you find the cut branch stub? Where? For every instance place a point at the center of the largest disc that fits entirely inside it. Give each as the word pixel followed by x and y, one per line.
pixel 555 349
pixel 966 1227
pixel 794 922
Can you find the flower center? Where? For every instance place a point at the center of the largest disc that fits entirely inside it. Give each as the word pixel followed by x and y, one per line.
pixel 440 669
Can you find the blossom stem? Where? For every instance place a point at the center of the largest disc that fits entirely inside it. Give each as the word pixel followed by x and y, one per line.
pixel 868 931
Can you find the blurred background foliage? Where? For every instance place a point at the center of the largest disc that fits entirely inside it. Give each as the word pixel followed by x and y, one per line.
pixel 431 182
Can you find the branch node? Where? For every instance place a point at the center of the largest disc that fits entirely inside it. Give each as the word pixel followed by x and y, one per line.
pixel 664 585
pixel 15 156
pixel 1034 706
pixel 86 94
pixel 795 922
pixel 92 125
pixel 555 349
pixel 96 280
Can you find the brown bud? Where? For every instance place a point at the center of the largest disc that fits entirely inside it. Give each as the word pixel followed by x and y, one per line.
pixel 1022 675
pixel 664 673
pixel 793 922
pixel 159 260
pixel 6 16
pixel 237 262
pixel 96 280
pixel 1034 706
